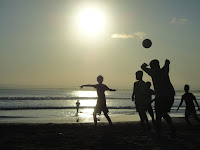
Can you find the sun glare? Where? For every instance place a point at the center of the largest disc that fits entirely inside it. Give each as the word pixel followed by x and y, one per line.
pixel 85 94
pixel 91 21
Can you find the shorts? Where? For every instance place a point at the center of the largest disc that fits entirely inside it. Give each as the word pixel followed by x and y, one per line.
pixel 142 108
pixel 163 104
pixel 99 108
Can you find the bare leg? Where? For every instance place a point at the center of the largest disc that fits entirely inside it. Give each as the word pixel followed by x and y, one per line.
pixel 158 123
pixel 146 121
pixel 150 110
pixel 168 119
pixel 188 121
pixel 108 118
pixel 196 118
pixel 95 118
pixel 187 114
pixel 142 123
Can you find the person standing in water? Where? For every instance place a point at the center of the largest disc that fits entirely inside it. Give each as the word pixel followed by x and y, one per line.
pixel 77 107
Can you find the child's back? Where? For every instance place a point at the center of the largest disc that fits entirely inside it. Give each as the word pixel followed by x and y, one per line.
pixel 189 97
pixel 140 92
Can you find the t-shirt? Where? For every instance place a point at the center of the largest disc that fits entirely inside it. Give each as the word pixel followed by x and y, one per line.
pixel 101 88
pixel 189 97
pixel 140 91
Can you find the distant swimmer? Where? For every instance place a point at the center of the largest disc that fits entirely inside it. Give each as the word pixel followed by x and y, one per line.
pixel 77 106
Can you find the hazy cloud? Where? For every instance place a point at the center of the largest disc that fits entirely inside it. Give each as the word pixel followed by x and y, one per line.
pixel 122 36
pixel 136 35
pixel 183 20
pixel 173 20
pixel 178 20
pixel 140 35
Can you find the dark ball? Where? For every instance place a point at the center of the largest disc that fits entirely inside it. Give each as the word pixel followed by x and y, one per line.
pixel 147 43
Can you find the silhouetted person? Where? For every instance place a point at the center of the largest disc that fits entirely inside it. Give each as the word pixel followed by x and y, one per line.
pixel 77 106
pixel 190 108
pixel 149 100
pixel 101 101
pixel 139 95
pixel 164 92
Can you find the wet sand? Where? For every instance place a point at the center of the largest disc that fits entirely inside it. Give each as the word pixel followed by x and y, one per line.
pixel 123 135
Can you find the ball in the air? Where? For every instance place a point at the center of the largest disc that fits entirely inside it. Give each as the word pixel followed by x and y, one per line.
pixel 147 43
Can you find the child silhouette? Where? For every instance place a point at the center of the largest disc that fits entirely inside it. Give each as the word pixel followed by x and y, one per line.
pixel 190 108
pixel 164 91
pixel 101 101
pixel 140 96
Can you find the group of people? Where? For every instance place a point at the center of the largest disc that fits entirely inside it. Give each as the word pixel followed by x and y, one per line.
pixel 142 95
pixel 164 95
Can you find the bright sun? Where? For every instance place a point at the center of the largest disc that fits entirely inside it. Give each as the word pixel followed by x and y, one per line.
pixel 91 21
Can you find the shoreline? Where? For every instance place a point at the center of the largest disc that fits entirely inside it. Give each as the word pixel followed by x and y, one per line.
pixel 81 118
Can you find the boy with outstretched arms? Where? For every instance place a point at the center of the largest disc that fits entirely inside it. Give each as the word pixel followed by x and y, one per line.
pixel 101 101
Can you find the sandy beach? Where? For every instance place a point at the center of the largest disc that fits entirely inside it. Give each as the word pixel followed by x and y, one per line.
pixel 123 135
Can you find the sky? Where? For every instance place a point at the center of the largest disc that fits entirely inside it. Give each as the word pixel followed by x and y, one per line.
pixel 49 43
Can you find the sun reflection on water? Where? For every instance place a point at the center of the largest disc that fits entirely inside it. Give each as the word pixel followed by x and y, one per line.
pixel 87 103
pixel 85 93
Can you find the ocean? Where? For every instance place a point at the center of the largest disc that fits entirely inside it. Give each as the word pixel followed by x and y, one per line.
pixel 59 105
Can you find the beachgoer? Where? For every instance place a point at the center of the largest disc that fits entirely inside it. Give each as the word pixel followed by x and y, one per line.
pixel 164 91
pixel 190 107
pixel 77 106
pixel 140 96
pixel 101 101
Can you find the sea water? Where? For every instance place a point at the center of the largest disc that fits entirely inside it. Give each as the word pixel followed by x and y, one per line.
pixel 59 105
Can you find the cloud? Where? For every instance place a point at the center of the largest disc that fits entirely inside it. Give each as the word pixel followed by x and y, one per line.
pixel 183 20
pixel 173 20
pixel 178 20
pixel 136 35
pixel 122 36
pixel 140 35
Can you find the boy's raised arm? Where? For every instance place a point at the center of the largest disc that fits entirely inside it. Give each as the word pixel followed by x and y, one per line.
pixel 133 95
pixel 197 104
pixel 180 104
pixel 144 68
pixel 166 66
pixel 87 85
pixel 112 90
pixel 107 88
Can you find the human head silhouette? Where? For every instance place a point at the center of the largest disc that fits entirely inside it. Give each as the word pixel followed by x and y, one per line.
pixel 186 88
pixel 139 75
pixel 148 84
pixel 100 79
pixel 154 64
